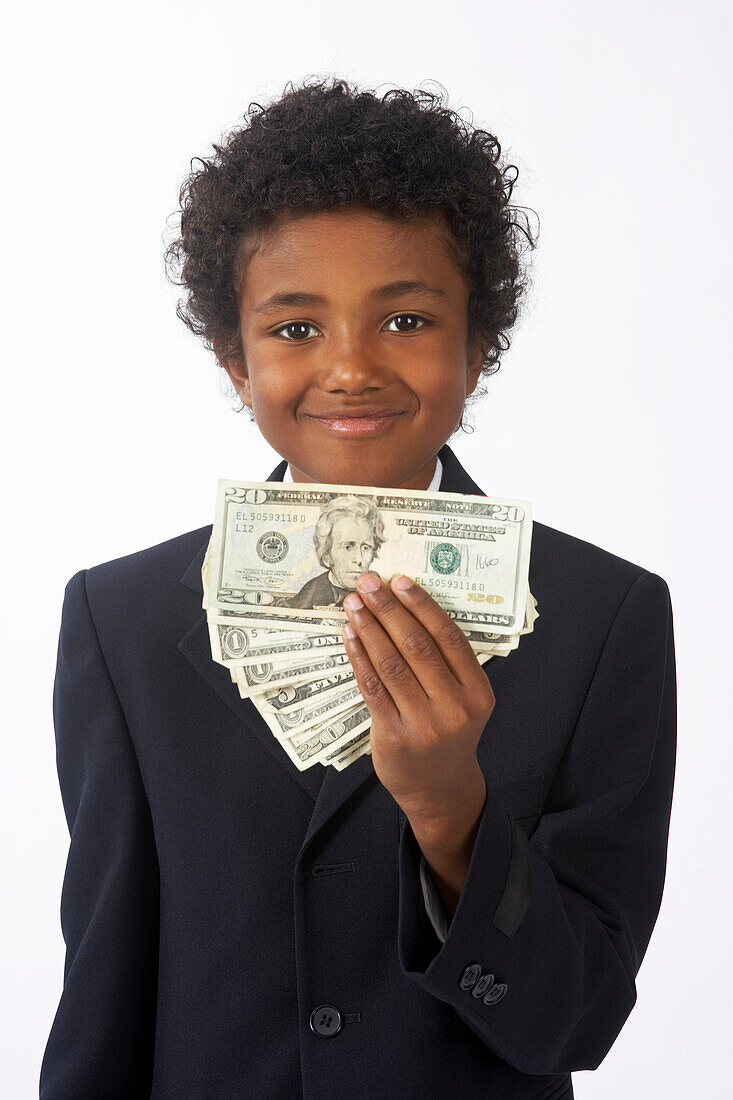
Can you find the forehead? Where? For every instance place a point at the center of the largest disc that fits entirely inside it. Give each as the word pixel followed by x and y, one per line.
pixel 354 244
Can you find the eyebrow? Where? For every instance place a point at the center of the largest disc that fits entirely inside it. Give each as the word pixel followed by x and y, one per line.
pixel 389 290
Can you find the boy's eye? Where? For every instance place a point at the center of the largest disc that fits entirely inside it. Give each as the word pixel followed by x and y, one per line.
pixel 412 317
pixel 299 326
pixel 294 325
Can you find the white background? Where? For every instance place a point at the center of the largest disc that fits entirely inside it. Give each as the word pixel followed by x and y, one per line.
pixel 610 413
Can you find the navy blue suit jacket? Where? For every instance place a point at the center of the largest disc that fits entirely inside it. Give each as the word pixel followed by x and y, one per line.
pixel 236 928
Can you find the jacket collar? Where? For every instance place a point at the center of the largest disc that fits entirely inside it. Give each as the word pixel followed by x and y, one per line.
pixel 331 790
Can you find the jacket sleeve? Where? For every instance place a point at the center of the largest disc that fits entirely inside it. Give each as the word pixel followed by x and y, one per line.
pixel 541 955
pixel 102 1036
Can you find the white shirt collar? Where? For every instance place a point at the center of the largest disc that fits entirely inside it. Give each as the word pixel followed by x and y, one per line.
pixel 433 487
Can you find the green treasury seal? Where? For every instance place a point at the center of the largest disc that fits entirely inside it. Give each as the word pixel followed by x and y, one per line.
pixel 445 557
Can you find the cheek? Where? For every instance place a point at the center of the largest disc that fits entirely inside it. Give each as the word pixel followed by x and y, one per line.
pixel 440 382
pixel 445 404
pixel 273 392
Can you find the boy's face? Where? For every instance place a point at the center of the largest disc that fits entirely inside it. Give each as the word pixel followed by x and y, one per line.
pixel 317 373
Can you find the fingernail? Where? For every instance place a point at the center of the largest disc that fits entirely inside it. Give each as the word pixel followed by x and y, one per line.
pixel 368 582
pixel 352 602
pixel 350 632
pixel 402 582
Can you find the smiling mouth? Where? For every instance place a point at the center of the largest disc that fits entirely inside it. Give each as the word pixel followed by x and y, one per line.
pixel 357 425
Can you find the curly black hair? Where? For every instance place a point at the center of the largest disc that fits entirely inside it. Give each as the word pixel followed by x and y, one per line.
pixel 326 144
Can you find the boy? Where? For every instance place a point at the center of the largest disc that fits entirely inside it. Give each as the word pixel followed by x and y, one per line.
pixel 236 927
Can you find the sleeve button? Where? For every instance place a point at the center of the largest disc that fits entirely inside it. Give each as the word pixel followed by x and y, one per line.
pixel 495 993
pixel 484 983
pixel 470 976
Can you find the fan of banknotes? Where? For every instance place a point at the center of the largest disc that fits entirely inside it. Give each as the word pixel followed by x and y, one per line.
pixel 281 559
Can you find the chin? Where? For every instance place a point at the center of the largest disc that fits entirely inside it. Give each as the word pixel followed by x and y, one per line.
pixel 357 464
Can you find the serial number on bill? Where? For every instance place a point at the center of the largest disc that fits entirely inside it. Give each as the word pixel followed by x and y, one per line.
pixel 271 517
pixel 447 582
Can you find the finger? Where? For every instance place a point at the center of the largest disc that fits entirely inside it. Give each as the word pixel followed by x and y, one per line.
pixel 448 636
pixel 410 638
pixel 374 693
pixel 389 664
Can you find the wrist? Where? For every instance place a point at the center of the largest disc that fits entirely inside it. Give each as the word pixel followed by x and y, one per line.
pixel 447 824
pixel 448 867
pixel 447 844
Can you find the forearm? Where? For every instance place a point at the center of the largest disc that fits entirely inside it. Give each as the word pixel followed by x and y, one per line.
pixel 447 840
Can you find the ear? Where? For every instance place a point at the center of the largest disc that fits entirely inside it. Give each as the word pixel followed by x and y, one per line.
pixel 236 368
pixel 474 365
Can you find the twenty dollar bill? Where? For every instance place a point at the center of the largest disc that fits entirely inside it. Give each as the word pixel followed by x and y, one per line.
pixel 295 552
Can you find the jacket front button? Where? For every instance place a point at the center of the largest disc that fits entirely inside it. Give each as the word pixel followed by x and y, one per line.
pixel 326 1021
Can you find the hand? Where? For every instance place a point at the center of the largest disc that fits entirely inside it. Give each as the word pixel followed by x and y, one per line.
pixel 428 696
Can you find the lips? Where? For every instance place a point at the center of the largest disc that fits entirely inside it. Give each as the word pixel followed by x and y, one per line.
pixel 357 421
pixel 357 412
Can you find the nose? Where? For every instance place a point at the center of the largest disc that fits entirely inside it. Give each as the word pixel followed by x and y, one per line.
pixel 352 366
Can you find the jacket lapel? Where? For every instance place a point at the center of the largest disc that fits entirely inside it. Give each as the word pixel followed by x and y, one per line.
pixel 331 789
